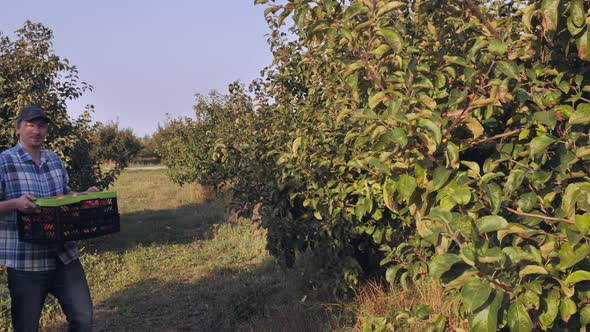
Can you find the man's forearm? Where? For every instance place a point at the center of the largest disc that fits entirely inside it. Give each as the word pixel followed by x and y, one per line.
pixel 7 206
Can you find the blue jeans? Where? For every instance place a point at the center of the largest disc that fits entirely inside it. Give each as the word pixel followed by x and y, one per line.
pixel 67 283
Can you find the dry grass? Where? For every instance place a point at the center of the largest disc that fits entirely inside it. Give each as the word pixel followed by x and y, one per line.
pixel 374 299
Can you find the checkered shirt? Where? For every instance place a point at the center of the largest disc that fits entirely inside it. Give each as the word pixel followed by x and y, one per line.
pixel 20 175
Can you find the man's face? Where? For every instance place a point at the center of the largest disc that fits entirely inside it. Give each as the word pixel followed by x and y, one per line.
pixel 32 133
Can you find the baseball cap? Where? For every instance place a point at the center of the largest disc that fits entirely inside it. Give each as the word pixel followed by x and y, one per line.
pixel 32 112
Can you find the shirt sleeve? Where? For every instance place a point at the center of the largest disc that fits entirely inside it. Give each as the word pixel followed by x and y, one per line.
pixel 2 183
pixel 66 179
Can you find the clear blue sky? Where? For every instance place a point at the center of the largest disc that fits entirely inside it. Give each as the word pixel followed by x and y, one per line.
pixel 149 58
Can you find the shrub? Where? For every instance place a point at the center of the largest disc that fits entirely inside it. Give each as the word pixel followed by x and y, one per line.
pixel 31 73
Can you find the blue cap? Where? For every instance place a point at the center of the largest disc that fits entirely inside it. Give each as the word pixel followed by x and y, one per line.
pixel 32 112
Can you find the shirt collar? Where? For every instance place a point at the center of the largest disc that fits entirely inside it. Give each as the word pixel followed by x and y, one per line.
pixel 24 155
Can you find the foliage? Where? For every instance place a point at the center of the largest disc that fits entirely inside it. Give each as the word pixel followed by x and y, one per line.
pixel 148 151
pixel 415 138
pixel 186 145
pixel 31 73
pixel 114 145
pixel 439 137
pixel 466 121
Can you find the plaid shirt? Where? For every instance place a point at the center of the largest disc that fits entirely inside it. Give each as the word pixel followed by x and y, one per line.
pixel 20 175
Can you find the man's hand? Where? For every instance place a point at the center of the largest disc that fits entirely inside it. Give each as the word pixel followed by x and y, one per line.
pixel 92 189
pixel 25 203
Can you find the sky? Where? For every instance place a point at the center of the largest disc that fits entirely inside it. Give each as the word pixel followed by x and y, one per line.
pixel 146 59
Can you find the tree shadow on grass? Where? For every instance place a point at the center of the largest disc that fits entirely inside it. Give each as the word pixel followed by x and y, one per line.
pixel 180 225
pixel 260 299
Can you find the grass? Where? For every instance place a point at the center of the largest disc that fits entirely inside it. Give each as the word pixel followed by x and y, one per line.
pixel 179 265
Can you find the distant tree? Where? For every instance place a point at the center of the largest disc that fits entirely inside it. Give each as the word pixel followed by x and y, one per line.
pixel 114 145
pixel 184 143
pixel 31 73
pixel 147 153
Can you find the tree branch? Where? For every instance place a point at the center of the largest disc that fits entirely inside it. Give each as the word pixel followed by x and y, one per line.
pixel 506 134
pixel 483 19
pixel 532 215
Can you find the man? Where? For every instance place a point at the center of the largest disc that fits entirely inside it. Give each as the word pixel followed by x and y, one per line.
pixel 27 172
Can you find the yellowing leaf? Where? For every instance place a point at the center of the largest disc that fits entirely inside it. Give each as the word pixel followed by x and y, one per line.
pixel 376 99
pixel 427 101
pixel 474 126
pixel 532 269
pixel 389 7
pixel 296 145
pixel 577 276
pixel 317 215
pixel 583 45
pixel 393 38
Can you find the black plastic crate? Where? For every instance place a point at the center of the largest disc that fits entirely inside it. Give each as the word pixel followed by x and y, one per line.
pixel 87 218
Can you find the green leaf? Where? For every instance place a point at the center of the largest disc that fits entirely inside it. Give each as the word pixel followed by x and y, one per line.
pixel 577 18
pixel 475 293
pixel 490 223
pixel 509 69
pixel 440 177
pixel 580 116
pixel 438 214
pixel 442 263
pixel 518 318
pixel 406 186
pixel 474 169
pixel 527 202
pixel 514 181
pixel 431 127
pixel 547 117
pixel 395 135
pixel 391 273
pixel 497 47
pixel 567 309
pixel 494 193
pixel 452 155
pixel 569 257
pixel 379 165
pixel 540 144
pixel 378 235
pixel 299 16
pixel 585 315
pixel 460 194
pixel 583 222
pixel 577 276
pixel 485 319
pixel 552 309
pixel 393 38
